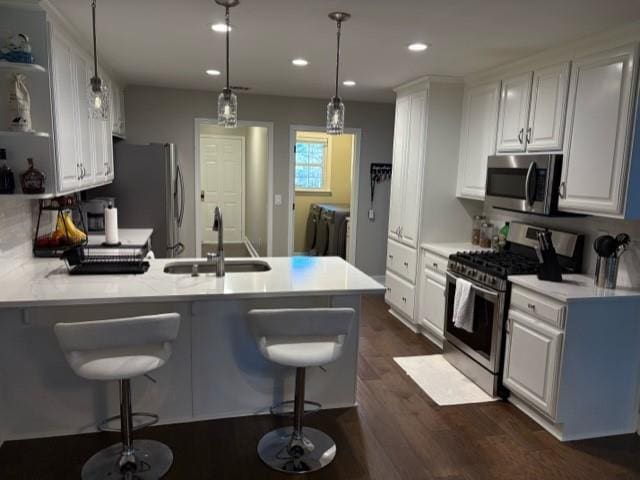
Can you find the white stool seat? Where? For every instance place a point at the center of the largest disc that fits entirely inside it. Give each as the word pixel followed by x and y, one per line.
pixel 301 337
pixel 301 351
pixel 119 348
pixel 117 363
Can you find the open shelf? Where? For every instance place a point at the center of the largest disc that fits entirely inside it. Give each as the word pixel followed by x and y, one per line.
pixel 21 67
pixel 25 196
pixel 7 133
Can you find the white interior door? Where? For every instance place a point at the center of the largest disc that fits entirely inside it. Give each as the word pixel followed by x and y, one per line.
pixel 221 184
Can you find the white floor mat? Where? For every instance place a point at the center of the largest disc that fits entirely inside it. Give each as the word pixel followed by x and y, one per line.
pixel 444 384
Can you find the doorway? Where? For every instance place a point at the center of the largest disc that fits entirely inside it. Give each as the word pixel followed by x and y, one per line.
pixel 234 172
pixel 323 186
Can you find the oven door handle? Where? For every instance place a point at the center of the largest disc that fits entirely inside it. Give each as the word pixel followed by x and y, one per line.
pixel 474 286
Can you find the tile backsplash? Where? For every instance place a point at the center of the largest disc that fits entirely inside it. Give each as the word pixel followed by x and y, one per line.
pixel 591 227
pixel 17 224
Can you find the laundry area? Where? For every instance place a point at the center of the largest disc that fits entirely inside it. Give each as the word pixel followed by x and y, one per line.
pixel 323 189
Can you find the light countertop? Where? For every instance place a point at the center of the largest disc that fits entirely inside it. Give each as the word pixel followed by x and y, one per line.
pixel 573 288
pixel 445 249
pixel 45 282
pixel 132 237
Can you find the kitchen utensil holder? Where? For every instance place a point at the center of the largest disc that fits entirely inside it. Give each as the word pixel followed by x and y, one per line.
pixel 606 275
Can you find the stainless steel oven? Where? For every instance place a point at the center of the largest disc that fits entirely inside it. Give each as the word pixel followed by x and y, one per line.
pixel 524 183
pixel 478 353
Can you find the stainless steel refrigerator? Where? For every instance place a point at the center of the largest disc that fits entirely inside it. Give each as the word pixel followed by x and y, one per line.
pixel 149 193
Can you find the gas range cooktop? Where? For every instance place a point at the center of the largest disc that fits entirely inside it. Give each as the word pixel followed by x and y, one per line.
pixel 499 264
pixel 492 268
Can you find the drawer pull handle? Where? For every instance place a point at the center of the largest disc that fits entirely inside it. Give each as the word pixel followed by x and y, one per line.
pixel 406 264
pixel 435 265
pixel 391 257
pixel 404 299
pixel 531 306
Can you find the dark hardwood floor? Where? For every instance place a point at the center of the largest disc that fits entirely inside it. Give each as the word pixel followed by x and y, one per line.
pixel 396 433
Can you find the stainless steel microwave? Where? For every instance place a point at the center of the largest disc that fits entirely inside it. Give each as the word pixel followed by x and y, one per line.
pixel 524 183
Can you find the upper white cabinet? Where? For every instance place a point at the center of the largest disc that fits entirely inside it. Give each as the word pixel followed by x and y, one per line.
pixel 598 133
pixel 397 179
pixel 548 108
pixel 514 113
pixel 84 151
pixel 408 157
pixel 532 110
pixel 477 138
pixel 65 114
pixel 117 110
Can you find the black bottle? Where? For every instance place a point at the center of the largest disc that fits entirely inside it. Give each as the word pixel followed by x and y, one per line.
pixel 7 181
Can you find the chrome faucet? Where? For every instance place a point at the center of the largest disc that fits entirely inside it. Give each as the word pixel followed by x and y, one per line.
pixel 219 256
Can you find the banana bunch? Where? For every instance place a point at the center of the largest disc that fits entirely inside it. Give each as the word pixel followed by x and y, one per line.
pixel 66 232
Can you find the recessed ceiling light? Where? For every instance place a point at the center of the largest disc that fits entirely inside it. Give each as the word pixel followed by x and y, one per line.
pixel 220 27
pixel 418 47
pixel 349 83
pixel 299 62
pixel 213 73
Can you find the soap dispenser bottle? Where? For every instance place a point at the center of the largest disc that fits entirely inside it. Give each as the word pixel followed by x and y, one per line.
pixel 7 181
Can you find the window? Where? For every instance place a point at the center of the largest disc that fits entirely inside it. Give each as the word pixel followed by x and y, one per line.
pixel 312 165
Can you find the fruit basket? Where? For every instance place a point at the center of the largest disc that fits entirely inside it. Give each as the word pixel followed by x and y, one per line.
pixel 66 234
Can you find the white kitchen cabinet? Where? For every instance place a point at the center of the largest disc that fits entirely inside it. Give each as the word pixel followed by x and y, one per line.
pixel 83 146
pixel 513 116
pixel 477 138
pixel 545 131
pixel 532 360
pixel 432 304
pixel 413 169
pixel 117 110
pixel 397 179
pixel 400 295
pixel 65 114
pixel 598 132
pixel 408 157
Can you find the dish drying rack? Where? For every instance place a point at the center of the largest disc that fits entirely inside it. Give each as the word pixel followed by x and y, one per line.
pixel 91 260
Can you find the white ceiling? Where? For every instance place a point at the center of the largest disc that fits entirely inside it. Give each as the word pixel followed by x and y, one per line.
pixel 170 43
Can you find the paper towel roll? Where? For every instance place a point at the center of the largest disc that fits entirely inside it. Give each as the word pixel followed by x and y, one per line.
pixel 111 225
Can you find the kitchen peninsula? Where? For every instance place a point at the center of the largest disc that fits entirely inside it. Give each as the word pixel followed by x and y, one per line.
pixel 216 370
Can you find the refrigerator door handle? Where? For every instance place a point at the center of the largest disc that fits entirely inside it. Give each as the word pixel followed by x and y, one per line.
pixel 180 179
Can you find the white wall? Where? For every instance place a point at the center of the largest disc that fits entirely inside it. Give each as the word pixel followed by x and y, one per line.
pixel 17 226
pixel 167 115
pixel 257 188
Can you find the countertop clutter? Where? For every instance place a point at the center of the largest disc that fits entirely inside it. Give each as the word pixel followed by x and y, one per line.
pixel 45 282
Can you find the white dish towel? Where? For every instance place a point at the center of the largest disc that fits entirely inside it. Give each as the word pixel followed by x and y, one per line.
pixel 463 305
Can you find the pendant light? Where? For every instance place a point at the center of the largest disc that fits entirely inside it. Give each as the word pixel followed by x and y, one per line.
pixel 335 108
pixel 227 100
pixel 98 93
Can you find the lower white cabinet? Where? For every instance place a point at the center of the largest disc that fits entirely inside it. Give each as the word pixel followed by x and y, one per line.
pixel 400 295
pixel 402 260
pixel 432 304
pixel 532 361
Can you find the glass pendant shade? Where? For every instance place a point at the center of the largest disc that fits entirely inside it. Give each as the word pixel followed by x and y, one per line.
pixel 335 117
pixel 98 98
pixel 227 109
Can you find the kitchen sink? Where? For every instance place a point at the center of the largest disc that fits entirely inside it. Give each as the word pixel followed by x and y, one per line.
pixel 205 267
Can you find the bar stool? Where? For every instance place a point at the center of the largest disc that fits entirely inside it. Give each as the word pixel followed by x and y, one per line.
pixel 299 338
pixel 120 349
